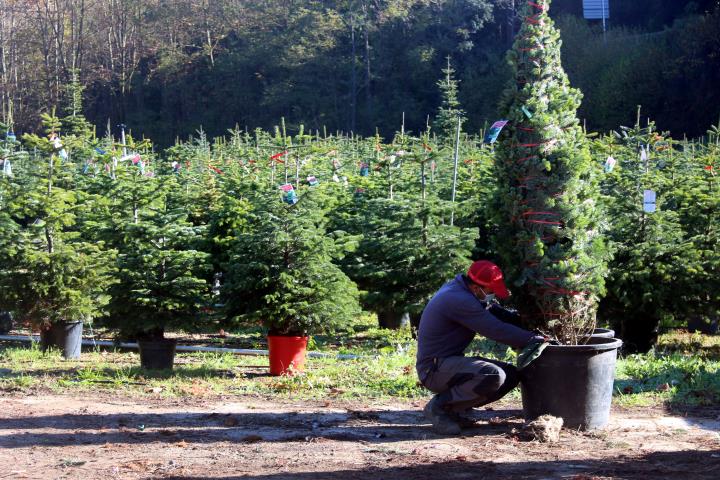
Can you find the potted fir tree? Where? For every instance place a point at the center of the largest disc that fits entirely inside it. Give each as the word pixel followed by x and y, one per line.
pixel 406 252
pixel 8 155
pixel 51 276
pixel 653 245
pixel 408 245
pixel 281 275
pixel 550 230
pixel 159 279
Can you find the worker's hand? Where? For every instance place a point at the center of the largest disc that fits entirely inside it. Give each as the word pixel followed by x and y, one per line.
pixel 542 337
pixel 530 353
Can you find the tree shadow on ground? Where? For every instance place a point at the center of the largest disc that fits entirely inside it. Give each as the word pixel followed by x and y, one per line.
pixel 375 426
pixel 689 465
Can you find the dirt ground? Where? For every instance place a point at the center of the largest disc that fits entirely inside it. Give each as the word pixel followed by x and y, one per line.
pixel 54 436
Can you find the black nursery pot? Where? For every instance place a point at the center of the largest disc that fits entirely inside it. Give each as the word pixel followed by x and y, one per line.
pixel 572 382
pixel 704 324
pixel 6 323
pixel 604 332
pixel 157 354
pixel 65 336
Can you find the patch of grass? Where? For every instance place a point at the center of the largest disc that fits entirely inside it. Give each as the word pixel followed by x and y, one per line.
pixel 18 382
pixel 18 356
pixel 696 344
pixel 672 374
pixel 675 378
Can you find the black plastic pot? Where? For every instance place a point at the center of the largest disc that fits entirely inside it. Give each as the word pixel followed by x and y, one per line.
pixel 65 336
pixel 392 319
pixel 6 322
pixel 703 324
pixel 157 354
pixel 572 382
pixel 604 333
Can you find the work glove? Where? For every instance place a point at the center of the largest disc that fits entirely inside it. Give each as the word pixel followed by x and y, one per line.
pixel 531 352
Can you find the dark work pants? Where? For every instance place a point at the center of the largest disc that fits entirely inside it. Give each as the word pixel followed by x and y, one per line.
pixel 462 383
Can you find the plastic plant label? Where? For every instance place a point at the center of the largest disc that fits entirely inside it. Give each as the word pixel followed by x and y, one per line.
pixel 7 168
pixel 643 154
pixel 312 181
pixel 527 112
pixel 10 137
pixel 492 134
pixel 364 169
pixel 649 201
pixel 287 187
pixel 610 164
pixel 290 197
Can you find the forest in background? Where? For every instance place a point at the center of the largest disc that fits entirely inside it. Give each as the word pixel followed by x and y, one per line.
pixel 166 68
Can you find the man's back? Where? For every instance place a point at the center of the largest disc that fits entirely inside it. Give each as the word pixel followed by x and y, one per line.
pixel 451 319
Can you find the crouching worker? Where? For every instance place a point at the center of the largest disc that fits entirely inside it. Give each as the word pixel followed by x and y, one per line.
pixel 460 309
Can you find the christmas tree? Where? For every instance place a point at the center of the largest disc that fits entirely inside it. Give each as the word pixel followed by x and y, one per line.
pixel 408 247
pixel 160 281
pixel 549 224
pixel 652 259
pixel 50 273
pixel 281 272
pixel 450 110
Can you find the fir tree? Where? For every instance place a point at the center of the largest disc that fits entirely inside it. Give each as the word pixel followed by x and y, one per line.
pixel 50 272
pixel 549 222
pixel 159 281
pixel 408 247
pixel 653 259
pixel 406 253
pixel 450 109
pixel 281 272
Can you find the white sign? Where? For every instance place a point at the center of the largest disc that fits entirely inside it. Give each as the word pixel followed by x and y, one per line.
pixel 649 204
pixel 596 9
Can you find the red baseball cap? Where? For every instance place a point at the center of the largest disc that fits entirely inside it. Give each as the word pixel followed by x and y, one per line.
pixel 487 274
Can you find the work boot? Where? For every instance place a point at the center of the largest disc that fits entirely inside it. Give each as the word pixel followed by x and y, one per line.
pixel 462 420
pixel 442 421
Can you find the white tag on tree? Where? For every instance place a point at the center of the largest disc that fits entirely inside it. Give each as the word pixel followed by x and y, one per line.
pixel 643 154
pixel 610 164
pixel 649 201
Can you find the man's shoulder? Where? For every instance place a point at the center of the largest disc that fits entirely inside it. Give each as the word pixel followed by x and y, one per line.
pixel 453 291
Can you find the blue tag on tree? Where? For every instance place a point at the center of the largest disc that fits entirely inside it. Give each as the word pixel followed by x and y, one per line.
pixel 492 134
pixel 290 197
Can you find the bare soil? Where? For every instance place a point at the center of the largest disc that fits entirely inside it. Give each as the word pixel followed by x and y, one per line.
pixel 57 436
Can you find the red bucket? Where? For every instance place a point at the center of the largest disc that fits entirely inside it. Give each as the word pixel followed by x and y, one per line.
pixel 287 354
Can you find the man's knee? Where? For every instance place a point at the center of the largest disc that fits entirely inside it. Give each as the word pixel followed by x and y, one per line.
pixel 490 379
pixel 512 376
